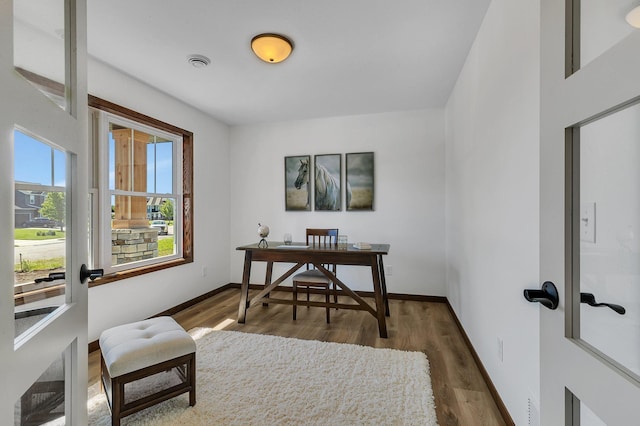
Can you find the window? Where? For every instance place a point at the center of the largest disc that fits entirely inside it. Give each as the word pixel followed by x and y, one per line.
pixel 160 202
pixel 141 193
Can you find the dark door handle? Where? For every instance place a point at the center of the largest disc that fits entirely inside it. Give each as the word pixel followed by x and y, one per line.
pixel 590 300
pixel 547 295
pixel 91 274
pixel 52 277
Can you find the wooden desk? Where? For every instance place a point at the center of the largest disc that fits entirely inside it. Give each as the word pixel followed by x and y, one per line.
pixel 317 255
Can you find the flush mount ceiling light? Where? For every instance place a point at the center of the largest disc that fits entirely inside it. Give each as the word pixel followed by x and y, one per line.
pixel 271 48
pixel 198 61
pixel 633 17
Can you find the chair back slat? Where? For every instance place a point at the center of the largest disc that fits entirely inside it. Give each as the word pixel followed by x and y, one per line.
pixel 321 237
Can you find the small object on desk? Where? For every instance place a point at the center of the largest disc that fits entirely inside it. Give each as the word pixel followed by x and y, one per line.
pixel 362 246
pixel 342 242
pixel 288 239
pixel 263 232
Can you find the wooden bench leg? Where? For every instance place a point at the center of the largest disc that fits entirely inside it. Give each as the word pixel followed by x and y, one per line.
pixel 117 400
pixel 192 380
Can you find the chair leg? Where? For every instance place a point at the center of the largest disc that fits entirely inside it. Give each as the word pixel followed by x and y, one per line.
pixel 308 296
pixel 295 299
pixel 327 300
pixel 335 294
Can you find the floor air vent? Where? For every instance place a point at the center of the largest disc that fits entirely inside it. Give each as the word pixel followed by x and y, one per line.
pixel 534 414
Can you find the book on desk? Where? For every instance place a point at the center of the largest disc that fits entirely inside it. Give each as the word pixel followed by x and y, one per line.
pixel 362 246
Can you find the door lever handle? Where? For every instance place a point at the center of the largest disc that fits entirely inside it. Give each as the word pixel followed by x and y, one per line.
pixel 52 277
pixel 547 295
pixel 590 300
pixel 91 274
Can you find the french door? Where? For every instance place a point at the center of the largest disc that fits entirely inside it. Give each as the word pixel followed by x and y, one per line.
pixel 590 212
pixel 43 213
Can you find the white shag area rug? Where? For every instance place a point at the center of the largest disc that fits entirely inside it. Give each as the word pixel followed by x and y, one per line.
pixel 252 379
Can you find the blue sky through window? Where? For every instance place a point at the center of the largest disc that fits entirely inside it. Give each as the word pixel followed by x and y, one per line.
pixel 33 161
pixel 162 154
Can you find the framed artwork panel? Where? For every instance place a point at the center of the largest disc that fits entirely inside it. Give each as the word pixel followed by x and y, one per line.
pixel 328 182
pixel 297 186
pixel 360 184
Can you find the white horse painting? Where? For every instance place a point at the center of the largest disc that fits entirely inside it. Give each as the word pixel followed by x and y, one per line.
pixel 327 190
pixel 327 187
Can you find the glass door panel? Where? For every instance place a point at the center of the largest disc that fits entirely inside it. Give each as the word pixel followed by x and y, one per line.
pixel 588 417
pixel 602 26
pixel 39 47
pixel 44 402
pixel 40 242
pixel 582 415
pixel 609 223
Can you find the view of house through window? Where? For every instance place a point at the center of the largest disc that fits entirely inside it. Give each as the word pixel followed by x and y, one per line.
pixel 39 235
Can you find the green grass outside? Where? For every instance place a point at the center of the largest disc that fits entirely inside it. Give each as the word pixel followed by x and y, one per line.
pixel 32 234
pixel 165 247
pixel 40 265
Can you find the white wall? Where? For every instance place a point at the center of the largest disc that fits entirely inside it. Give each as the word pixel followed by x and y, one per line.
pixel 140 297
pixel 492 198
pixel 409 192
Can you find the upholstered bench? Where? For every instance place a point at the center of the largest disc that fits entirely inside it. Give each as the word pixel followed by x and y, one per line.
pixel 135 351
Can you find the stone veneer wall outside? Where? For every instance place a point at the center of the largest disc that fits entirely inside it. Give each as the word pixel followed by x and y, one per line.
pixel 130 245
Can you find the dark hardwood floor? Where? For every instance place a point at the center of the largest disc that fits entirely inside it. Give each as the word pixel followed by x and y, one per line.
pixel 461 395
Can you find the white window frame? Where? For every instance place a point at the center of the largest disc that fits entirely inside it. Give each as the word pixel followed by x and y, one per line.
pixel 102 251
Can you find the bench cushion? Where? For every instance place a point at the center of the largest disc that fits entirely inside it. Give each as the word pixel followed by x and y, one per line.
pixel 130 347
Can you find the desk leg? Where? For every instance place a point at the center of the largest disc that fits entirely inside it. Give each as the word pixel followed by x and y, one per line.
pixel 267 280
pixel 244 289
pixel 383 282
pixel 377 289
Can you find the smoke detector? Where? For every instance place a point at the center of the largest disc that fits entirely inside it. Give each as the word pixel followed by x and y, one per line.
pixel 198 61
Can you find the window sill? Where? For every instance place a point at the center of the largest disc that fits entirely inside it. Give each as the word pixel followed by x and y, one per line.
pixel 130 273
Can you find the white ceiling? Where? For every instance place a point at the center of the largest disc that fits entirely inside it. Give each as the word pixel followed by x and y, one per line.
pixel 350 56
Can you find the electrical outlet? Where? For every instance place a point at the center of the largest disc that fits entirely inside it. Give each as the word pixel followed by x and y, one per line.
pixel 204 271
pixel 500 349
pixel 388 270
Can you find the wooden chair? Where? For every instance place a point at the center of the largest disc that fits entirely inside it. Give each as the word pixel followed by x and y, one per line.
pixel 313 278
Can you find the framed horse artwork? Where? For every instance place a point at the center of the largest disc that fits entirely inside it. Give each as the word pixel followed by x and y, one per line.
pixel 328 182
pixel 296 183
pixel 360 188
